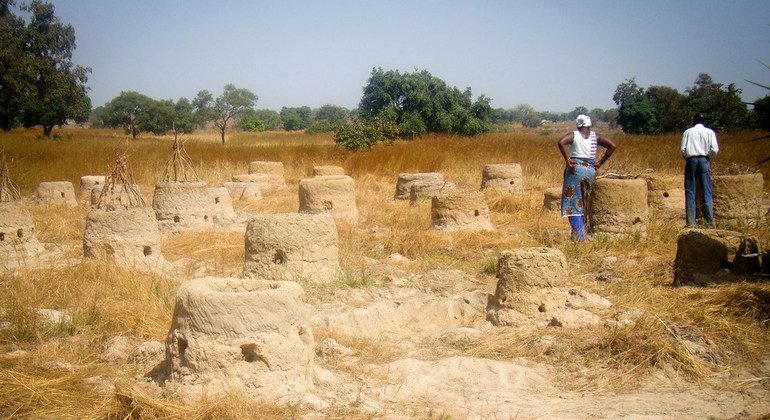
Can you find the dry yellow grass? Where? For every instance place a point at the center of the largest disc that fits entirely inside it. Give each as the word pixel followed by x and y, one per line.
pixel 106 301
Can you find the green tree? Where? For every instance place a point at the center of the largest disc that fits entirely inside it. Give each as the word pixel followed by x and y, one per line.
pixel 127 110
pixel 365 132
pixel 672 113
pixel 419 102
pixel 762 112
pixel 39 83
pixel 637 115
pixel 295 118
pixel 579 110
pixel 722 107
pixel 232 104
pixel 626 90
pixel 165 115
pixel 501 116
pixel 250 122
pixel 15 76
pixel 270 118
pixel 327 118
pixel 527 116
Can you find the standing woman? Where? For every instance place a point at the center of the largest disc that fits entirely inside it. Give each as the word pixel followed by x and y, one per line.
pixel 580 170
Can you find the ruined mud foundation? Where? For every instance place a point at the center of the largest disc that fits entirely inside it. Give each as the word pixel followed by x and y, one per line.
pixel 460 210
pixel 292 246
pixel 58 193
pixel 334 194
pixel 504 177
pixel 243 333
pixel 183 206
pixel 619 206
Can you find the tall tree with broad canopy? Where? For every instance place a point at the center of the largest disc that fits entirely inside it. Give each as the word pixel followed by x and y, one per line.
pixel 40 83
pixel 296 118
pixel 722 107
pixel 166 115
pixel 129 110
pixel 419 102
pixel 232 104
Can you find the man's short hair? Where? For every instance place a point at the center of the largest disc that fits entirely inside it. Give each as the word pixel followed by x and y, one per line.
pixel 697 118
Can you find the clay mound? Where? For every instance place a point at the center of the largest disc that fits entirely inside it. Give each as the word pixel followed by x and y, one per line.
pixel 88 182
pixel 292 246
pixel 505 177
pixel 333 194
pixel 430 183
pixel 326 170
pixel 243 191
pixel 420 192
pixel 460 210
pixel 619 206
pixel 708 256
pixel 183 206
pixel 552 199
pixel 529 267
pixel 56 193
pixel 222 205
pixel 274 171
pixel 529 291
pixel 244 333
pixel 131 237
pixel 665 195
pixel 18 241
pixel 263 181
pixel 738 197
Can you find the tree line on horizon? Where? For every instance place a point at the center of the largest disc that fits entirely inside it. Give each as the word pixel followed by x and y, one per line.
pixel 41 87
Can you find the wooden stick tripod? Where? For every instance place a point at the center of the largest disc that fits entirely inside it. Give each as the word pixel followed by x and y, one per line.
pixel 120 190
pixel 180 166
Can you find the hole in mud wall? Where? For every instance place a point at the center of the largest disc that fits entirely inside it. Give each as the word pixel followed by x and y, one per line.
pixel 279 257
pixel 176 219
pixel 476 213
pixel 20 233
pixel 206 217
pixel 328 205
pixel 511 182
pixel 181 346
pixel 665 194
pixel 62 194
pixel 2 236
pixel 147 250
pixel 216 200
pixel 250 355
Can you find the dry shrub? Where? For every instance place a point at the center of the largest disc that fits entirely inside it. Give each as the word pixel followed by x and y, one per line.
pixel 221 252
pixel 130 401
pixel 33 391
pixel 364 350
pixel 101 298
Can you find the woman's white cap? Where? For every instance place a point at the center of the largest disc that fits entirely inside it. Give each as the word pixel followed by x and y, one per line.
pixel 583 120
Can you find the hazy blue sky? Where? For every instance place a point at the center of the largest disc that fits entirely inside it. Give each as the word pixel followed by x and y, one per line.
pixel 554 55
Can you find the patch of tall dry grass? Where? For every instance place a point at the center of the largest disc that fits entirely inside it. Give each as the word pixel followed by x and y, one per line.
pixel 105 300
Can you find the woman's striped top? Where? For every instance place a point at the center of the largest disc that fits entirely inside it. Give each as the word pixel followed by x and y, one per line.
pixel 583 148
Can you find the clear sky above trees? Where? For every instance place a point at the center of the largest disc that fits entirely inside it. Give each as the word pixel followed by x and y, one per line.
pixel 554 55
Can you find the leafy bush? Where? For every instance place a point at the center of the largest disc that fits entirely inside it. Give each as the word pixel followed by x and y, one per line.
pixel 251 123
pixel 365 132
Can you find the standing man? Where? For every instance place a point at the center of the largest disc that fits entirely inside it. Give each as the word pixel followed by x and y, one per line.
pixel 699 146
